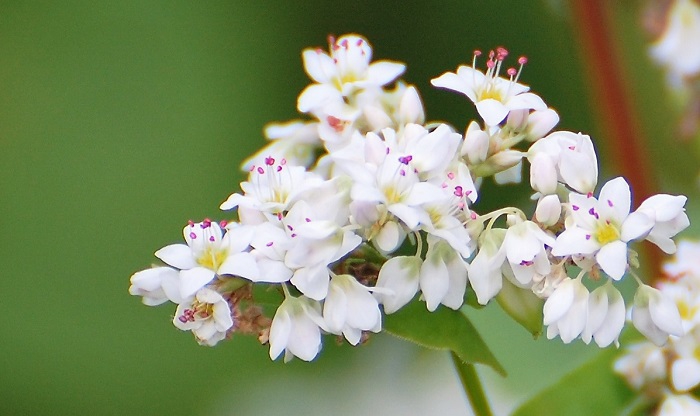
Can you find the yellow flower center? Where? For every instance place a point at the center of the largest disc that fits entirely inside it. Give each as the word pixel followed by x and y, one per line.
pixel 606 233
pixel 212 258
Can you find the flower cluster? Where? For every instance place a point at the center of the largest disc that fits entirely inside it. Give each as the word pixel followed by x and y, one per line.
pixel 668 373
pixel 353 213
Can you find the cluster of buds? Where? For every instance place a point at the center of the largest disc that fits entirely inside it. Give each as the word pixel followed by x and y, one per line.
pixel 352 214
pixel 666 374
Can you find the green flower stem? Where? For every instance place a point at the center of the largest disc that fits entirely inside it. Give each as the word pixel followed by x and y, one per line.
pixel 472 386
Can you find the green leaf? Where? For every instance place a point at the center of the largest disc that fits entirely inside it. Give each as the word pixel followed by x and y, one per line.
pixel 523 306
pixel 593 389
pixel 444 329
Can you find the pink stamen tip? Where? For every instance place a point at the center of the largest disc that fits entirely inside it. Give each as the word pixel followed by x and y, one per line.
pixel 402 172
pixel 575 207
pixel 443 185
pixel 359 42
pixel 252 168
pixel 512 72
pixel 223 223
pixel 283 161
pixel 293 235
pixel 460 205
pixel 477 52
pixel 450 175
pixel 319 50
pixel 469 192
pixel 405 159
pixel 182 318
pixel 190 223
pixel 279 168
pixel 269 244
pixel 492 54
pixel 459 191
pixel 472 215
pixel 490 64
pixel 331 39
pixel 193 236
pixel 522 60
pixel 572 147
pixel 588 236
pixel 344 43
pixel 206 223
pixel 307 219
pixel 212 239
pixel 290 228
pixel 610 203
pixel 501 53
pixel 261 170
pixel 589 195
pixel 269 161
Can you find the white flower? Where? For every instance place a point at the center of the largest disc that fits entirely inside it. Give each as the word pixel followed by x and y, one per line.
pixel 669 219
pixel 524 245
pixel 677 48
pixel 157 285
pixel 566 310
pixel 272 188
pixel 296 329
pixel 399 277
pixel 679 405
pixel 443 276
pixel 606 316
pixel 642 364
pixel 207 315
pixel 343 72
pixel 208 253
pixel 493 96
pixel 484 271
pixel 602 227
pixel 655 315
pixel 573 156
pixel 685 263
pixel 350 309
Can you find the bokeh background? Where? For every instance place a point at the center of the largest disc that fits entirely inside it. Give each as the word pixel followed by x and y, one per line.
pixel 121 120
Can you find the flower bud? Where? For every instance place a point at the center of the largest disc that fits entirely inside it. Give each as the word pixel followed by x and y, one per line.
pixel 411 107
pixel 543 174
pixel 548 210
pixel 655 315
pixel 541 122
pixel 476 144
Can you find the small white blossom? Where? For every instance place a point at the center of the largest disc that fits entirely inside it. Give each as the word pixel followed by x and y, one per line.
pixel 679 405
pixel 669 217
pixel 484 271
pixel 350 309
pixel 296 329
pixel 443 276
pixel 573 156
pixel 493 96
pixel 207 315
pixel 602 227
pixel 156 285
pixel 566 310
pixel 677 48
pixel 685 370
pixel 655 315
pixel 606 316
pixel 643 364
pixel 399 278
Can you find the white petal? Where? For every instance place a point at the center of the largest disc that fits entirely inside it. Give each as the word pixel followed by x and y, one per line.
pixel 636 226
pixel 559 302
pixel 178 256
pixel 380 73
pixel 492 111
pixel 685 374
pixel 612 258
pixel 194 279
pixel 319 66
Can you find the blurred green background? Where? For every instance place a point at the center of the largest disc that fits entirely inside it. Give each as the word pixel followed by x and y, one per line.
pixel 119 121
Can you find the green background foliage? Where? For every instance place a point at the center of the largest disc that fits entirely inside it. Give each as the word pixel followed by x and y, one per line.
pixel 119 121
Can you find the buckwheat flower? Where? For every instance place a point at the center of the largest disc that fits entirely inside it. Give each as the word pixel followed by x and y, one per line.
pixel 342 72
pixel 350 309
pixel 573 156
pixel 606 316
pixel 272 187
pixel 655 315
pixel 399 278
pixel 484 271
pixel 643 364
pixel 686 295
pixel 539 123
pixel 524 245
pixel 677 48
pixel 679 405
pixel 156 285
pixel 493 96
pixel 475 148
pixel 685 369
pixel 602 227
pixel 208 253
pixel 669 217
pixel 207 315
pixel 296 329
pixel 566 310
pixel 443 276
